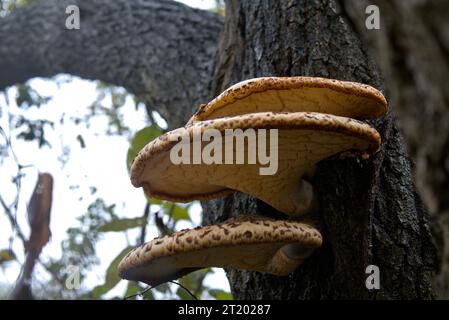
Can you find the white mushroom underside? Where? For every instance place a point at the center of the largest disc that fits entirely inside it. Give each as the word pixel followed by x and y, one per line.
pixel 298 151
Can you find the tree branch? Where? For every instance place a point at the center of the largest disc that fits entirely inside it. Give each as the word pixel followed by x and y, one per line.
pixel 143 232
pixel 12 220
pixel 162 51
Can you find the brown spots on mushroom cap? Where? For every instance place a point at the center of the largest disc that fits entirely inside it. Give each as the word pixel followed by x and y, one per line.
pixel 344 98
pixel 248 234
pixel 268 233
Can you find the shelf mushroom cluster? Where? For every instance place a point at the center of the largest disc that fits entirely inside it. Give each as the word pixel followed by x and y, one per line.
pixel 315 118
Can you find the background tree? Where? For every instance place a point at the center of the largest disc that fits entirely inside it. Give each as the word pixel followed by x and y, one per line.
pixel 166 54
pixel 412 50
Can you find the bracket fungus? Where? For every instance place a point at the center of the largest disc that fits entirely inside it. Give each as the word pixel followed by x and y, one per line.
pixel 294 94
pixel 303 139
pixel 313 119
pixel 253 243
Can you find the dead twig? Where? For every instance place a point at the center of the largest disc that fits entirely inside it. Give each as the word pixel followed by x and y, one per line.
pixel 143 232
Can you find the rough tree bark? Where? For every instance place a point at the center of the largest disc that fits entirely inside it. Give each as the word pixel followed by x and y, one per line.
pixel 370 211
pixel 412 50
pixel 164 53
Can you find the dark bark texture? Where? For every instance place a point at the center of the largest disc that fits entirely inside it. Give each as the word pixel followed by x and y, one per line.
pixel 412 49
pixel 164 53
pixel 370 211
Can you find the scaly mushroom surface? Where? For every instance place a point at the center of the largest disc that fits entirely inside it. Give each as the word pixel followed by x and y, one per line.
pixel 253 243
pixel 295 94
pixel 304 138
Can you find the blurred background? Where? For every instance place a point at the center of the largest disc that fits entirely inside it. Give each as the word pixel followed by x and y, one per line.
pixel 85 134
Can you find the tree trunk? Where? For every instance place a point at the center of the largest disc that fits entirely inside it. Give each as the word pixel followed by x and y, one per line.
pixel 370 211
pixel 412 50
pixel 164 53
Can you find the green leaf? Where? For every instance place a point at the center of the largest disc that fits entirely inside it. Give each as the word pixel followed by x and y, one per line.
pixel 6 255
pixel 33 130
pixel 220 294
pixel 122 224
pixel 134 288
pixel 179 213
pixel 183 294
pixel 152 200
pixel 140 140
pixel 27 97
pixel 148 295
pixel 112 277
pixel 193 282
pixel 162 287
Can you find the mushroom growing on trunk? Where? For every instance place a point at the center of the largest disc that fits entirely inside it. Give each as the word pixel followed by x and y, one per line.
pixel 253 243
pixel 303 139
pixel 223 148
pixel 295 94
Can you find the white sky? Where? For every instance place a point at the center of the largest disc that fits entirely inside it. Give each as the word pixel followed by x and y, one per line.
pixel 101 164
pixel 201 4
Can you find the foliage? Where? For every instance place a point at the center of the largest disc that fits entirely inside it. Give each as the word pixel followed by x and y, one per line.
pixel 7 6
pixel 219 7
pixel 27 97
pixel 6 255
pixel 33 130
pixel 79 248
pixel 26 128
pixel 101 218
pixel 140 139
pixel 117 97
pixel 112 277
pixel 220 294
pixel 117 225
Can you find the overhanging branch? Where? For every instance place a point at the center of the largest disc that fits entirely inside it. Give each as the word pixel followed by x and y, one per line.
pixel 162 51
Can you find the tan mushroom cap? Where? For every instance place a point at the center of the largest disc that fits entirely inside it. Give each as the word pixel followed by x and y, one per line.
pixel 251 243
pixel 296 94
pixel 304 138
